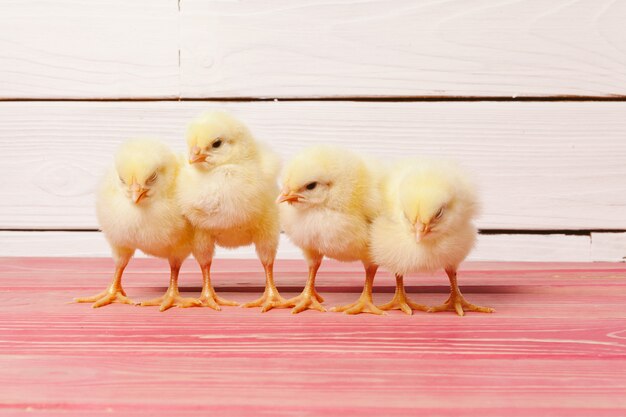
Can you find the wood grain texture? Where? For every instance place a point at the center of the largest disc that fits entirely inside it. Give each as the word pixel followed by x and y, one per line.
pixel 554 347
pixel 556 248
pixel 538 165
pixel 277 48
pixel 95 49
pixel 608 247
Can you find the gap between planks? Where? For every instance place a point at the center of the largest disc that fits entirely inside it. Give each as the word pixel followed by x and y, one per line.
pixel 373 99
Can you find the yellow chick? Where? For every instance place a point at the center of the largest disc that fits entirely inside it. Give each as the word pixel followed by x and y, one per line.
pixel 333 195
pixel 426 225
pixel 137 209
pixel 227 192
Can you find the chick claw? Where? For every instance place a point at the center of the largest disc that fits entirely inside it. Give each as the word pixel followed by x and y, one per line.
pixel 169 300
pixel 308 300
pixel 106 297
pixel 460 305
pixel 362 305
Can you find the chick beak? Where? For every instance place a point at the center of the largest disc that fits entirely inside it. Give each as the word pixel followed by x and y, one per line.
pixel 138 193
pixel 288 197
pixel 421 232
pixel 196 155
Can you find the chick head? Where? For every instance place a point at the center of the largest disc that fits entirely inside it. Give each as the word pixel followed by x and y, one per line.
pixel 146 169
pixel 217 138
pixel 434 204
pixel 321 176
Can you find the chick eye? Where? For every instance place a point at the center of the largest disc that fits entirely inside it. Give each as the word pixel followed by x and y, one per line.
pixel 311 185
pixel 439 213
pixel 217 143
pixel 152 178
pixel 122 180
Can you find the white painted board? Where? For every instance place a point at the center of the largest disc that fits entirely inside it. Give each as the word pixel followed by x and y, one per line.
pixel 311 48
pixel 608 247
pixel 326 48
pixel 89 49
pixel 522 248
pixel 539 165
pixel 549 248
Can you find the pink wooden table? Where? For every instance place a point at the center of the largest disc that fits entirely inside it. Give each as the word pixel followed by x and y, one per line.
pixel 556 345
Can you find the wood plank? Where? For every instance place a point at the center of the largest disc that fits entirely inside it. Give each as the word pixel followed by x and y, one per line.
pixel 520 248
pixel 312 49
pixel 539 165
pixel 609 247
pixel 322 48
pixel 246 275
pixel 96 49
pixel 509 248
pixel 540 354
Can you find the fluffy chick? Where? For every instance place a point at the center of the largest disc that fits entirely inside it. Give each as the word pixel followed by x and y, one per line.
pixel 332 195
pixel 227 192
pixel 137 209
pixel 427 224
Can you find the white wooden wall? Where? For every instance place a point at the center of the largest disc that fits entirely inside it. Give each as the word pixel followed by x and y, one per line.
pixel 531 95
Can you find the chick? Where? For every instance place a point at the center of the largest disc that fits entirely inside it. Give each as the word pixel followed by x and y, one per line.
pixel 227 192
pixel 426 225
pixel 332 195
pixel 137 209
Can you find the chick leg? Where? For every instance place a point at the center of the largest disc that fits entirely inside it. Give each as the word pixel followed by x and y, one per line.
pixel 208 297
pixel 172 297
pixel 271 298
pixel 309 298
pixel 114 293
pixel 400 301
pixel 456 301
pixel 364 304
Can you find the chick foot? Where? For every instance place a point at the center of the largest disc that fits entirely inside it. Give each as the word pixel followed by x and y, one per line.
pixel 308 300
pixel 404 304
pixel 400 301
pixel 271 298
pixel 171 299
pixel 208 297
pixel 268 301
pixel 458 303
pixel 214 301
pixel 106 297
pixel 362 305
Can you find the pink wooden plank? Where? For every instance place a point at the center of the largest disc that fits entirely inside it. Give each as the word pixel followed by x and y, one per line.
pixel 54 327
pixel 245 275
pixel 556 346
